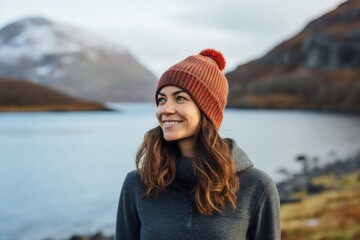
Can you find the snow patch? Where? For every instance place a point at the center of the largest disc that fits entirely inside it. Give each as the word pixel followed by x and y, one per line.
pixel 58 73
pixel 92 56
pixel 44 70
pixel 37 41
pixel 67 60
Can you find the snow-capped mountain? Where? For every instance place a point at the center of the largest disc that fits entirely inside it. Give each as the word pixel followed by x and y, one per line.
pixel 72 60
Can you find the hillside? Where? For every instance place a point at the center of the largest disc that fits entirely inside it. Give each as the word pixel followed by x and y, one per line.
pixel 332 214
pixel 72 60
pixel 318 68
pixel 322 202
pixel 18 95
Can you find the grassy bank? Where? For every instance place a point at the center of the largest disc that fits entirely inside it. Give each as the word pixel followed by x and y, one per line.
pixel 332 214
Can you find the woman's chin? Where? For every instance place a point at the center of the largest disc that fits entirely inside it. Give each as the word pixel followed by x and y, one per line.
pixel 170 138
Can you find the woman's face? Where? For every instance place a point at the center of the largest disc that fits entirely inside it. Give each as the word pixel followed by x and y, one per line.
pixel 178 115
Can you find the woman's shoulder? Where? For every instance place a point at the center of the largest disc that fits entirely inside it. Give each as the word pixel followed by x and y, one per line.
pixel 133 185
pixel 259 175
pixel 132 178
pixel 254 178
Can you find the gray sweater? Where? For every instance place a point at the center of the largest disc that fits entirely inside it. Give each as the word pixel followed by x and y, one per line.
pixel 173 214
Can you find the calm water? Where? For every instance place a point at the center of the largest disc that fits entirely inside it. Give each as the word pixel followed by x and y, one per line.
pixel 61 173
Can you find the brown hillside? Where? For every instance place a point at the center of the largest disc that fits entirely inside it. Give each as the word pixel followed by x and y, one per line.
pixel 318 68
pixel 18 95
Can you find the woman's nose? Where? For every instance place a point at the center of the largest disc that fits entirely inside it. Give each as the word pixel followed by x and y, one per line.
pixel 167 108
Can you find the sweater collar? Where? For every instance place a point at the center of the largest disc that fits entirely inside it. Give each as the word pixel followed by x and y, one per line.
pixel 185 174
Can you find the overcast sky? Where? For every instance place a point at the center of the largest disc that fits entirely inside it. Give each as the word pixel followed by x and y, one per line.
pixel 159 33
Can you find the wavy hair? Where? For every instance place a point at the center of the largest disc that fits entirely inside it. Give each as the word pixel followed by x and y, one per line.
pixel 213 165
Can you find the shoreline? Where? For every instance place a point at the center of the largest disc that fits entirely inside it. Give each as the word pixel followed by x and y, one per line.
pixel 303 181
pixel 354 112
pixel 97 236
pixel 53 108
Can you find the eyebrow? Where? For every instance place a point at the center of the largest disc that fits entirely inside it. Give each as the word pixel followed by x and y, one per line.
pixel 174 93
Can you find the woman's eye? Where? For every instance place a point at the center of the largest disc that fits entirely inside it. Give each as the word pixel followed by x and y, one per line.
pixel 161 100
pixel 181 98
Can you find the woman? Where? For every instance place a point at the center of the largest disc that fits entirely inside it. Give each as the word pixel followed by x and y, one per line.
pixel 190 183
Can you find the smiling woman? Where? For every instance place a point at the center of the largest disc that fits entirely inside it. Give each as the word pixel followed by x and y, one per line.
pixel 187 181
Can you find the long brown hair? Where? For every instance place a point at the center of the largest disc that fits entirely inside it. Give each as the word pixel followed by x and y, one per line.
pixel 213 165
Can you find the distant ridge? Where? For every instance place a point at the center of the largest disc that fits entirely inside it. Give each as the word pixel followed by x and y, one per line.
pixel 72 60
pixel 318 68
pixel 18 95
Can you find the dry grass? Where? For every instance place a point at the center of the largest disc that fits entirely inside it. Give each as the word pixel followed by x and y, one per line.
pixel 333 214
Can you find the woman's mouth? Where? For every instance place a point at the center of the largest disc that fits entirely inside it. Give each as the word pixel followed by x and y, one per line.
pixel 170 123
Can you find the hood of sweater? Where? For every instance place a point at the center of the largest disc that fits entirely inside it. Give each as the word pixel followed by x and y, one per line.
pixel 186 177
pixel 242 161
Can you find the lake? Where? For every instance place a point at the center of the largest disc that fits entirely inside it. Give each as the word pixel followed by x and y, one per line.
pixel 61 172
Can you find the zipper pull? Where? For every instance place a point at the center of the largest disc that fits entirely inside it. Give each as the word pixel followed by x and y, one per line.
pixel 189 217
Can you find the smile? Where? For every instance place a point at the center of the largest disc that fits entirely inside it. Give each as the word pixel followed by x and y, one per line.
pixel 171 123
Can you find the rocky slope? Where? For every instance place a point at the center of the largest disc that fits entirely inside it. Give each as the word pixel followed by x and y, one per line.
pixel 318 68
pixel 73 61
pixel 18 95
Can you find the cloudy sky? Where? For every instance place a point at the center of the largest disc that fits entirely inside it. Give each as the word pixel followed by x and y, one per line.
pixel 160 33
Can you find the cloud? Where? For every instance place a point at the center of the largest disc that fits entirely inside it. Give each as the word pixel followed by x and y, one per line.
pixel 242 30
pixel 159 47
pixel 264 17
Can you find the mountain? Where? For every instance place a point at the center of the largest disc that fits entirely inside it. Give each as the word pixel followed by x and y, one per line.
pixel 318 68
pixel 73 61
pixel 19 95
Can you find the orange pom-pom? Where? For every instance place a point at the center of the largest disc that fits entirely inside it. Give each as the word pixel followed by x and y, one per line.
pixel 216 56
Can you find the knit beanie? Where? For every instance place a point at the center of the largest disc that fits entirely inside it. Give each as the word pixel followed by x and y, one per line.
pixel 202 78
